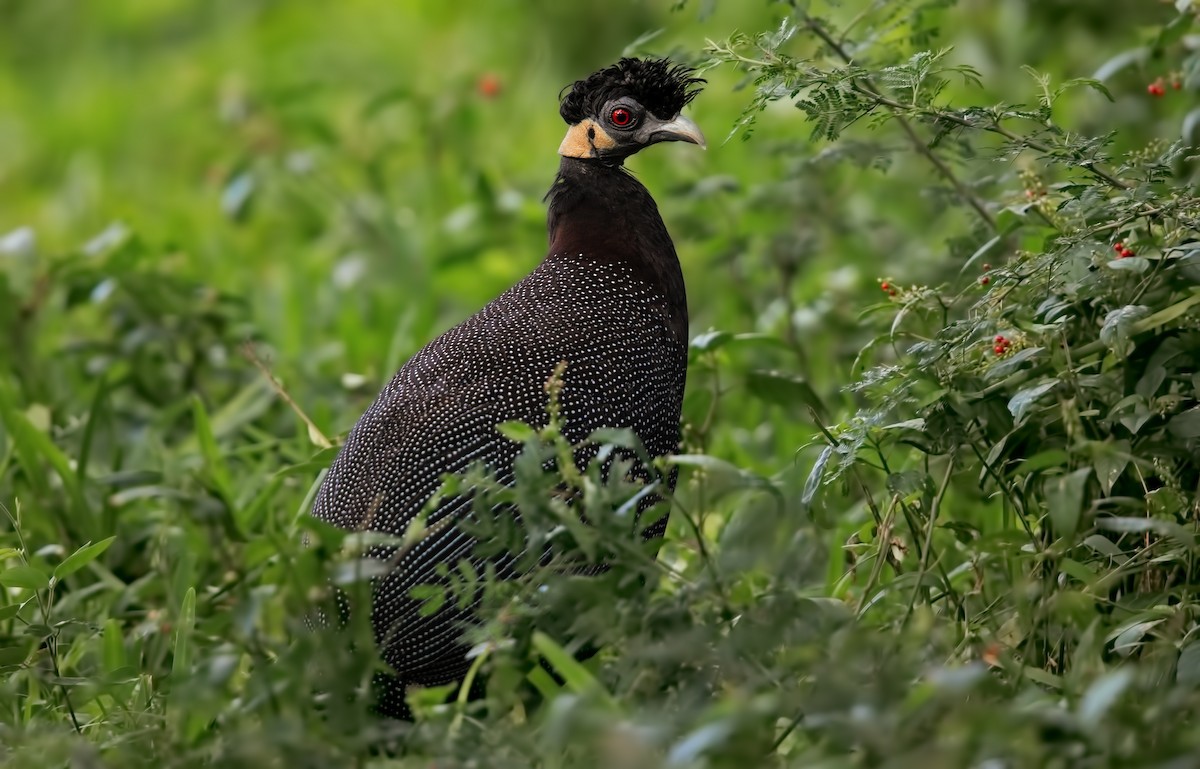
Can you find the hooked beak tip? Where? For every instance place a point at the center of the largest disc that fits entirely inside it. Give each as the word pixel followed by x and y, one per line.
pixel 683 129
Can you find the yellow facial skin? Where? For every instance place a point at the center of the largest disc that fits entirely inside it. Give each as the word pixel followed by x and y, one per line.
pixel 585 139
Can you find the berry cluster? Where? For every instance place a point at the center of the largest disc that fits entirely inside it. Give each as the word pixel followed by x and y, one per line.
pixel 1035 188
pixel 1002 344
pixel 1159 89
pixel 1122 250
pixel 986 279
pixel 888 288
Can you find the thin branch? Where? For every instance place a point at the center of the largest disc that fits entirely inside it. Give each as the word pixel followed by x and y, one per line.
pixel 897 109
pixel 994 127
pixel 314 432
pixel 923 568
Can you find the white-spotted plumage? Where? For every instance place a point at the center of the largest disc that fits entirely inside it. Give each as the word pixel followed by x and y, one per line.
pixel 625 369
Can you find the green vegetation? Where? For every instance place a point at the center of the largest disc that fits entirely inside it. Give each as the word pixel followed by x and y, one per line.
pixel 938 497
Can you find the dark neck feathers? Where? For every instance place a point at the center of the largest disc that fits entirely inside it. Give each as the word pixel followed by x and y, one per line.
pixel 600 211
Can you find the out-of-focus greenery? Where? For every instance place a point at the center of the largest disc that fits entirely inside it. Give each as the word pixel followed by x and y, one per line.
pixel 938 494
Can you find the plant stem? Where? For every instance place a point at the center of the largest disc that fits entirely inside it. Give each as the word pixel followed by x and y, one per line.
pixel 897 109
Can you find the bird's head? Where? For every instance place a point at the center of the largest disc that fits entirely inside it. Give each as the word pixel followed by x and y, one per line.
pixel 634 103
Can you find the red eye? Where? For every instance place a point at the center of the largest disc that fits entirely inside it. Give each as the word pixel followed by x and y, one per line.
pixel 621 117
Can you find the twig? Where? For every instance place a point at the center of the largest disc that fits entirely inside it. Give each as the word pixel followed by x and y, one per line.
pixel 993 127
pixel 314 432
pixel 919 144
pixel 897 107
pixel 883 538
pixel 934 508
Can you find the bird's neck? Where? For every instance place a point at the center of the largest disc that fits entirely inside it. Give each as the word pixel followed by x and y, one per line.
pixel 599 211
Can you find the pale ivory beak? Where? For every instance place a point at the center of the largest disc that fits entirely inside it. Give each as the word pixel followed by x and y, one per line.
pixel 681 129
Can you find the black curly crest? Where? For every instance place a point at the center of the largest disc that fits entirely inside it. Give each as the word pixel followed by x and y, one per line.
pixel 658 85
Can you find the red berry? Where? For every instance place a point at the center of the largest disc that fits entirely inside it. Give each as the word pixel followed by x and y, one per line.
pixel 1176 84
pixel 999 350
pixel 489 86
pixel 1126 252
pixel 884 286
pixel 985 280
pixel 986 266
pixel 892 292
pixel 1118 246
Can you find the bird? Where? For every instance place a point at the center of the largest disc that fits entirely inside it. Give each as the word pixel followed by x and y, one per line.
pixel 608 299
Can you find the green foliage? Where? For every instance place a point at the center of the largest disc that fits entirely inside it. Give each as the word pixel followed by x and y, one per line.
pixel 938 496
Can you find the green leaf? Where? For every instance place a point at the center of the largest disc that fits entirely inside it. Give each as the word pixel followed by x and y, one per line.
pixel 1008 365
pixel 1166 503
pixel 981 252
pixel 1084 82
pixel 12 656
pixel 1133 412
pixel 1077 571
pixel 249 517
pixel 82 557
pixel 1064 500
pixel 710 340
pixel 214 463
pixel 1106 547
pixel 33 446
pixel 1130 264
pixel 1187 129
pixel 1041 460
pixel 238 194
pixel 1042 677
pixel 1143 525
pixel 1020 404
pixel 27 577
pixel 724 476
pixel 544 683
pixel 1110 458
pixel 1186 424
pixel 814 477
pixel 1119 327
pixel 783 389
pixel 113 647
pixel 520 432
pixel 1102 695
pixel 1173 32
pixel 576 677
pixel 1119 62
pixel 1128 639
pixel 432 598
pixel 1167 314
pixel 181 663
pixel 1187 669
